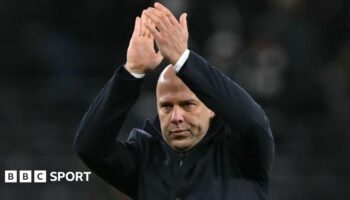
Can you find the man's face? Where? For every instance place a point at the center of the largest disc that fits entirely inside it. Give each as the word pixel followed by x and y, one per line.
pixel 183 117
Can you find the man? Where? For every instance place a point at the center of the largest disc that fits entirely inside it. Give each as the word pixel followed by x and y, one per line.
pixel 209 141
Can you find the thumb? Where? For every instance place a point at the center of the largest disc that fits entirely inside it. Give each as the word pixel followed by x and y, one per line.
pixel 136 27
pixel 183 21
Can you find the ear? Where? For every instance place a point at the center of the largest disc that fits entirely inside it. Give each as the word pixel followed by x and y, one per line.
pixel 212 114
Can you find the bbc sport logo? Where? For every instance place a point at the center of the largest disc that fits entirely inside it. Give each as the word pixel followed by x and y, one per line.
pixel 42 176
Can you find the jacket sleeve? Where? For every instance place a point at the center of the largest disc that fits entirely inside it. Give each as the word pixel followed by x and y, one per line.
pixel 238 110
pixel 95 140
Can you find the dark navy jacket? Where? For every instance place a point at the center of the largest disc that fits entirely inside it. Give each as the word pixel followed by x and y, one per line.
pixel 232 162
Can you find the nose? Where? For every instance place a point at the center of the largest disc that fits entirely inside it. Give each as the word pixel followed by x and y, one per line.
pixel 177 115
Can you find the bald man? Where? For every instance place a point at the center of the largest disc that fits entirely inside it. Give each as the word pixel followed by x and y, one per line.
pixel 210 139
pixel 184 119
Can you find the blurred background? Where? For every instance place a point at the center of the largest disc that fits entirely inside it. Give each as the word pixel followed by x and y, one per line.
pixel 292 56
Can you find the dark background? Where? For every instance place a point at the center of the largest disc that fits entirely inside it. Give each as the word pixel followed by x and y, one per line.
pixel 292 56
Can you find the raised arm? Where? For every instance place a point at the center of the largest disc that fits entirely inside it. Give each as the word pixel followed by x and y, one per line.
pixel 95 141
pixel 236 107
pixel 219 93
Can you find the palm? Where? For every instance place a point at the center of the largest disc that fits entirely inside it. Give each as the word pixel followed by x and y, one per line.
pixel 141 55
pixel 141 52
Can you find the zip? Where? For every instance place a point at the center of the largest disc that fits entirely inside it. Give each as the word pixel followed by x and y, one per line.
pixel 182 159
pixel 182 155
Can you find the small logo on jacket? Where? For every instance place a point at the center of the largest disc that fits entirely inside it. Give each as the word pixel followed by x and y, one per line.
pixel 42 176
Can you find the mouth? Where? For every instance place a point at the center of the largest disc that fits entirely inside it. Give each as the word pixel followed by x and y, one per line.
pixel 178 134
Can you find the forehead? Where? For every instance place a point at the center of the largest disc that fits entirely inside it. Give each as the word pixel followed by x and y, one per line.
pixel 174 90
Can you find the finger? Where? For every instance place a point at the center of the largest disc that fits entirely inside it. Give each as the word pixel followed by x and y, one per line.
pixel 164 16
pixel 148 32
pixel 137 27
pixel 167 13
pixel 183 22
pixel 152 28
pixel 153 15
pixel 142 27
pixel 149 22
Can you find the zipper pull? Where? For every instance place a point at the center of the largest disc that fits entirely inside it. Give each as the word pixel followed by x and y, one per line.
pixel 182 158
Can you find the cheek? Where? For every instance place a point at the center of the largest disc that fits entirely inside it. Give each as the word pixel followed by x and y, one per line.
pixel 195 123
pixel 201 122
pixel 164 123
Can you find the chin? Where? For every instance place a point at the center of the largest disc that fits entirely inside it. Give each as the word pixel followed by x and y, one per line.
pixel 181 146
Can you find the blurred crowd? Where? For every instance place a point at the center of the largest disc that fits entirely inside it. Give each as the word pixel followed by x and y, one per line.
pixel 292 56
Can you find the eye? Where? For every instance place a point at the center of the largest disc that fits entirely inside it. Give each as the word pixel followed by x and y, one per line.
pixel 166 107
pixel 189 105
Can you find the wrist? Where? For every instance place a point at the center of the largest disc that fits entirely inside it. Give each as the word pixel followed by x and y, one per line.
pixel 134 73
pixel 173 60
pixel 133 68
pixel 181 61
pixel 176 56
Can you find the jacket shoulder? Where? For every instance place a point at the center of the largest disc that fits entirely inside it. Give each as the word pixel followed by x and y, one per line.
pixel 141 137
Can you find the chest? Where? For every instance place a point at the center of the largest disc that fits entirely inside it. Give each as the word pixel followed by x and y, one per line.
pixel 208 173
